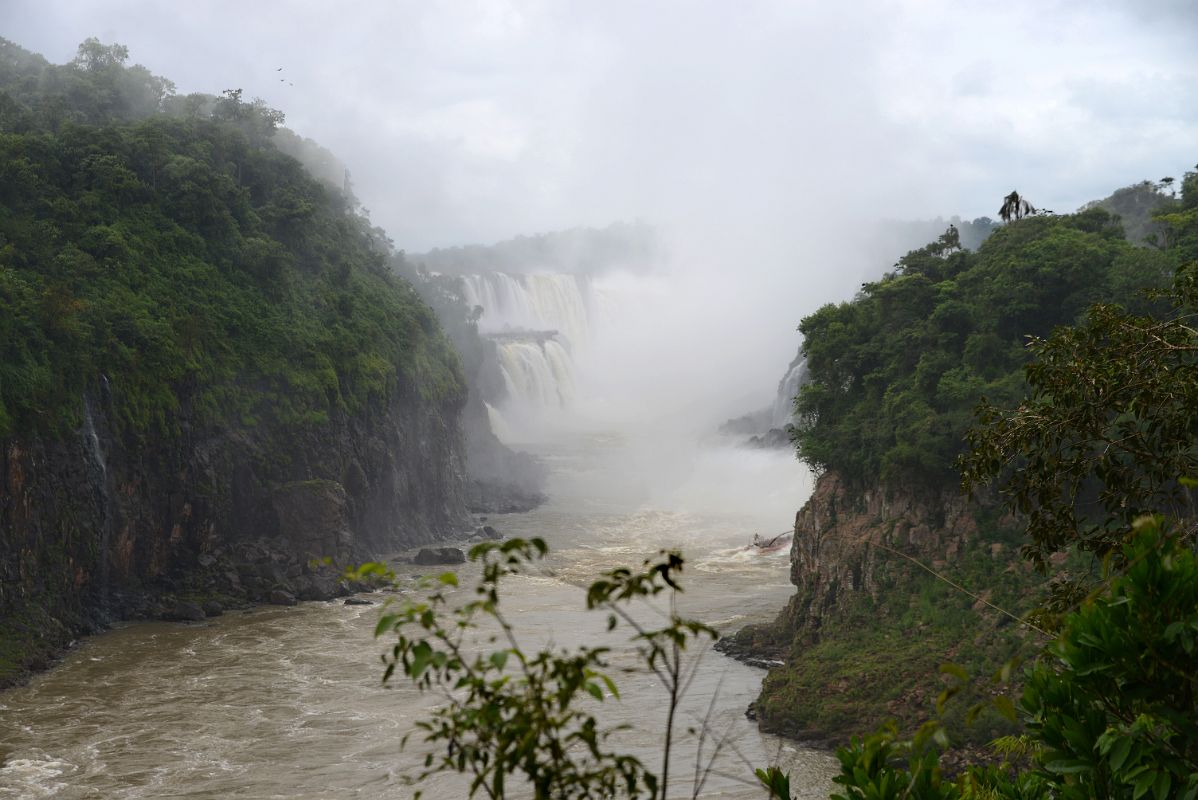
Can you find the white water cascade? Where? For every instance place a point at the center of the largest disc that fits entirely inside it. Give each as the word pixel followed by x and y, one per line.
pixel 787 389
pixel 540 323
pixel 533 302
pixel 98 469
pixel 538 372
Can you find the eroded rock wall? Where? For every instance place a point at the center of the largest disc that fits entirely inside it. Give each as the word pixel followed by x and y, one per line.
pixel 99 526
pixel 864 635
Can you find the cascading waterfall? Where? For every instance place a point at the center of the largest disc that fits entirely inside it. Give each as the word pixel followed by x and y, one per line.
pixel 539 322
pixel 787 389
pixel 98 470
pixel 533 302
pixel 538 372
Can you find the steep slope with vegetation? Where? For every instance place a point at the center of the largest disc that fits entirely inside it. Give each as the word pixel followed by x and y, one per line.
pixel 1099 457
pixel 208 374
pixel 895 376
pixel 499 479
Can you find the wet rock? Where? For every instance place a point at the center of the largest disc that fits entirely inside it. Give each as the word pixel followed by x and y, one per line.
pixel 358 601
pixel 315 515
pixel 213 609
pixel 439 555
pixel 183 611
pixel 773 439
pixel 282 597
pixel 491 533
pixel 206 560
pixel 500 497
pixel 317 587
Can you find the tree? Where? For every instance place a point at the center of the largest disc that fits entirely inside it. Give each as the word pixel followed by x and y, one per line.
pixel 94 56
pixel 1110 711
pixel 1108 433
pixel 511 713
pixel 1015 207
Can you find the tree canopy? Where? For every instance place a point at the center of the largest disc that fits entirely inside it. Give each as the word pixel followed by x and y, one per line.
pixel 895 373
pixel 168 251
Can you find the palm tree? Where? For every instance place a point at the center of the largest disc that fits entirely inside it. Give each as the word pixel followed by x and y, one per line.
pixel 1015 206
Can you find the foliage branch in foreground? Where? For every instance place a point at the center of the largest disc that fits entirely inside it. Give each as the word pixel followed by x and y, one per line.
pixel 1110 425
pixel 510 712
pixel 1110 712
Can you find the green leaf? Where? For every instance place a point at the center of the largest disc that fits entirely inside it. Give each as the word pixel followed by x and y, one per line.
pixel 1119 751
pixel 1004 706
pixel 386 622
pixel 1143 785
pixel 1067 766
pixel 422 654
pixel 1163 783
pixel 957 671
pixel 499 659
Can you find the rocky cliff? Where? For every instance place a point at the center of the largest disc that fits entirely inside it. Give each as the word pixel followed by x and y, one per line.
pixel 95 526
pixel 864 636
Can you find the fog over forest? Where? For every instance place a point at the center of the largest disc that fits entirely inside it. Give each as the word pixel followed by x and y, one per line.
pixel 759 143
pixel 877 316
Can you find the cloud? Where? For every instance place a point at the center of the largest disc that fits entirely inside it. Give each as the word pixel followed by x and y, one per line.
pixel 761 134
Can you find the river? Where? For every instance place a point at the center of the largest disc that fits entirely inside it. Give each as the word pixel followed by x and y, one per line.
pixel 287 702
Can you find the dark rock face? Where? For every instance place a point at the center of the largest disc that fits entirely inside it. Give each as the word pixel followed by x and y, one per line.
pixel 831 556
pixel 856 593
pixel 501 498
pixel 429 556
pixel 282 597
pixel 185 612
pixel 773 439
pixel 499 480
pixel 99 526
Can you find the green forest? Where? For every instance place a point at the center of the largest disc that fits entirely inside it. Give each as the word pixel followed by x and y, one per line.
pixel 896 373
pixel 195 264
pixel 1053 372
pixel 164 247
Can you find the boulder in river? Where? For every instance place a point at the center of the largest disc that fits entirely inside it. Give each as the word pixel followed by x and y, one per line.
pixel 182 611
pixel 439 555
pixel 213 609
pixel 282 597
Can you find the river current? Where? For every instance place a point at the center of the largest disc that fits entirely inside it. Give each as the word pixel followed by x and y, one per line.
pixel 287 702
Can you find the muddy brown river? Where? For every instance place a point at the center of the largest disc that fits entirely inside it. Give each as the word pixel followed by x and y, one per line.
pixel 287 702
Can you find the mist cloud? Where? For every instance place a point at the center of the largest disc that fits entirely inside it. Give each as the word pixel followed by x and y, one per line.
pixel 758 135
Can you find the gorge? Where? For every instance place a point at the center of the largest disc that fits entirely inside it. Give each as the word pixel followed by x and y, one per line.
pixel 250 429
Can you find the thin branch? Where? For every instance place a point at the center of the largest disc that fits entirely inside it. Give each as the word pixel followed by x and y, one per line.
pixel 963 590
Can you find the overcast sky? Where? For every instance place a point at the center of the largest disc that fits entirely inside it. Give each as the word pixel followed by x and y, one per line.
pixel 757 134
pixel 475 121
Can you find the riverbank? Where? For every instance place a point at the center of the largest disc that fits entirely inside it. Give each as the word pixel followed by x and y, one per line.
pixel 286 700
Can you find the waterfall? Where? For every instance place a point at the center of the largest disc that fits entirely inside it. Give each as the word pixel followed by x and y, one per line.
pixel 788 387
pixel 98 471
pixel 538 372
pixel 533 302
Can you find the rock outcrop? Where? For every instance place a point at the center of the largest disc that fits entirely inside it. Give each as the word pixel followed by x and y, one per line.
pixel 100 526
pixel 864 635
